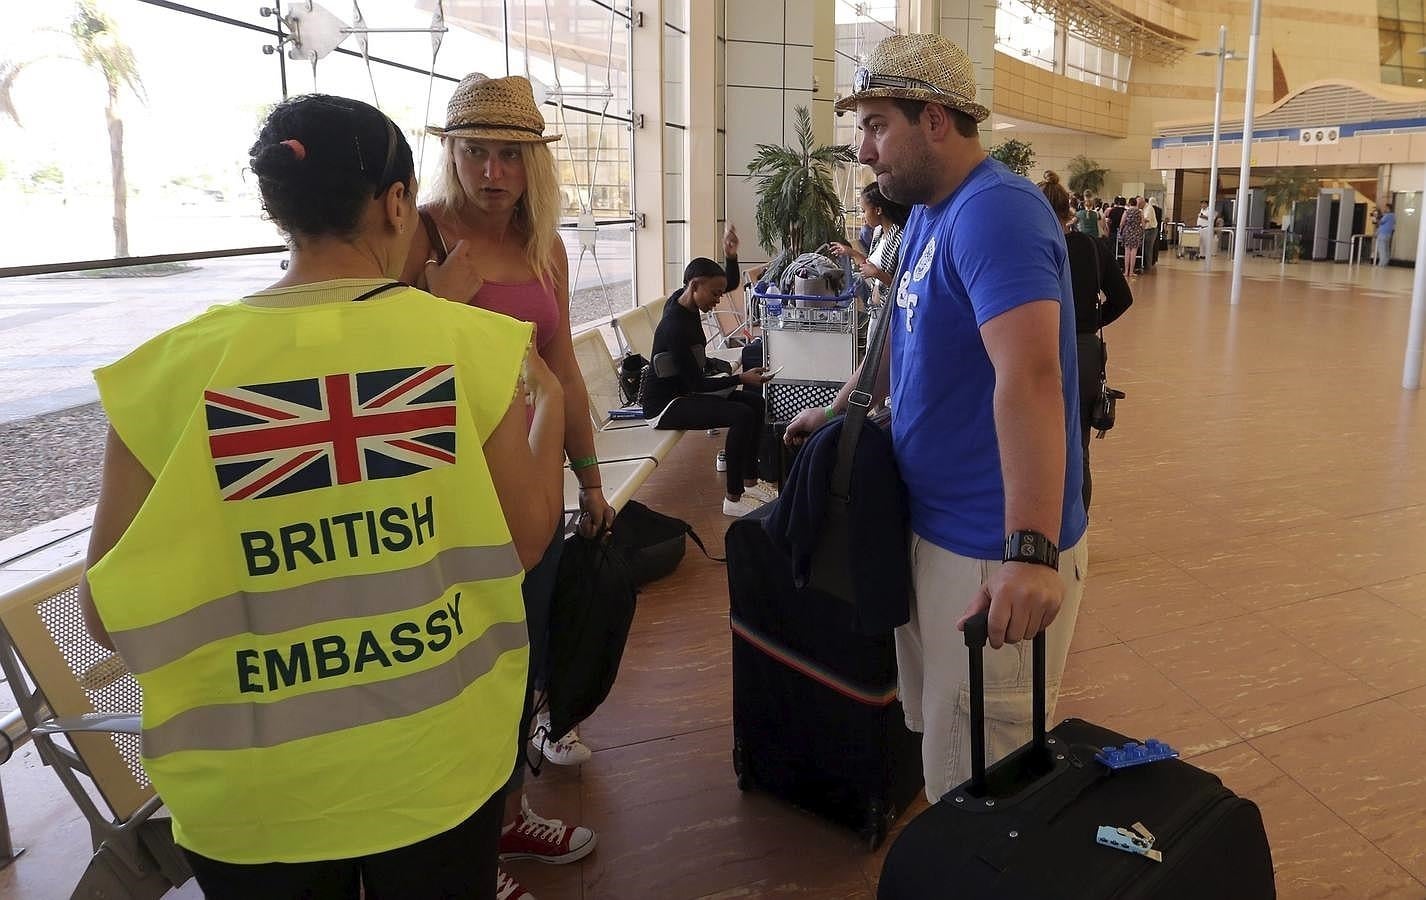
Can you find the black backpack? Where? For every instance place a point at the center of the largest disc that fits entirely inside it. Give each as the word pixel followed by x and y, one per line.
pixel 590 616
pixel 631 371
pixel 651 543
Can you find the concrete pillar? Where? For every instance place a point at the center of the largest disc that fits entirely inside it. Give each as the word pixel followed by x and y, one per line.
pixel 971 25
pixel 702 95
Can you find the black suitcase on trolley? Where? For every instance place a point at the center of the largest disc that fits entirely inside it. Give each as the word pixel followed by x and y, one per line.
pixel 1026 828
pixel 816 721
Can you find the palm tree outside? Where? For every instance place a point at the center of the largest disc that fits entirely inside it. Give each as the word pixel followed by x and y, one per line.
pixel 100 47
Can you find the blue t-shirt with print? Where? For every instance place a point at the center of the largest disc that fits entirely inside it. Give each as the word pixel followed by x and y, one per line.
pixel 991 246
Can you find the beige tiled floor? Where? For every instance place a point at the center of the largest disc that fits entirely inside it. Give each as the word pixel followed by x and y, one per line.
pixel 1257 597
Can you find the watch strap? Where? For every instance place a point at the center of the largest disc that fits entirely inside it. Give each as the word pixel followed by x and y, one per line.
pixel 1031 547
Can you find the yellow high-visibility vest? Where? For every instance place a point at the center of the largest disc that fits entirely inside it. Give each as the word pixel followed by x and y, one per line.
pixel 320 596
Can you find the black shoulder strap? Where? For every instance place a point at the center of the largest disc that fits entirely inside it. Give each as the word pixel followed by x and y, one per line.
pixel 379 290
pixel 699 541
pixel 433 232
pixel 858 405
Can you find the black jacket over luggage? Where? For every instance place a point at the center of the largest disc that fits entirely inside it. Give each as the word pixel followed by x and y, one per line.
pixel 815 715
pixel 1026 828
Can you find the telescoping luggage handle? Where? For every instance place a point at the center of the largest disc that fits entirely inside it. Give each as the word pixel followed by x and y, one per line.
pixel 977 634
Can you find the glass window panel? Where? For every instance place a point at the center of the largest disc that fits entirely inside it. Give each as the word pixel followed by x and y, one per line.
pixel 595 165
pixel 1391 51
pixel 1411 58
pixel 184 154
pixel 1410 10
pixel 1391 75
pixel 674 55
pixel 675 13
pixel 1386 9
pixel 601 272
pixel 474 43
pixel 589 41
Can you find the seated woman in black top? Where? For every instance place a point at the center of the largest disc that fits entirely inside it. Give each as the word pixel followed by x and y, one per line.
pixel 684 396
pixel 1093 270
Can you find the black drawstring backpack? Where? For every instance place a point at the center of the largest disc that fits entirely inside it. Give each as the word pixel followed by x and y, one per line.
pixel 593 608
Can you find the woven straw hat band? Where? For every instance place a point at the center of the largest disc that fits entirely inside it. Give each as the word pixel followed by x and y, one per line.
pixel 921 67
pixel 499 108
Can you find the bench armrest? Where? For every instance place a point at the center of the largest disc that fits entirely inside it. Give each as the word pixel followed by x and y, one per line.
pixel 106 723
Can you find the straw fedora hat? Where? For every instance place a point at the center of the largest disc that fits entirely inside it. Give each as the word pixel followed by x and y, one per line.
pixel 495 109
pixel 917 67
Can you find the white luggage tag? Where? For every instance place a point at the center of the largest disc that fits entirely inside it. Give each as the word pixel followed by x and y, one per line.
pixel 1141 843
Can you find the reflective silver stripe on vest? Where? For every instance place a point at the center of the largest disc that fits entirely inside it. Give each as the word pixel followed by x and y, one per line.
pixel 238 726
pixel 274 612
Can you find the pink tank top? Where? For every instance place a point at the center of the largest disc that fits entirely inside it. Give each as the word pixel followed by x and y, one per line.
pixel 528 301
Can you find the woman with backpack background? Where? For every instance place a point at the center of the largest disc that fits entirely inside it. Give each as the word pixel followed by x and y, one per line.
pixel 1093 271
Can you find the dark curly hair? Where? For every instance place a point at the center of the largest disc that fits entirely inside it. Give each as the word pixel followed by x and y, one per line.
pixel 898 213
pixel 320 160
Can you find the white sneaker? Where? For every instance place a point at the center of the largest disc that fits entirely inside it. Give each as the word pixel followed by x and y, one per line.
pixel 763 491
pixel 567 751
pixel 721 463
pixel 507 888
pixel 742 506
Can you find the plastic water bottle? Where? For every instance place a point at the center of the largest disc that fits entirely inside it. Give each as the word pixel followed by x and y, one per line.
pixel 773 312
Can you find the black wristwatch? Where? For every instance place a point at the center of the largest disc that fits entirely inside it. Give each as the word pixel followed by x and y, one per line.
pixel 1031 547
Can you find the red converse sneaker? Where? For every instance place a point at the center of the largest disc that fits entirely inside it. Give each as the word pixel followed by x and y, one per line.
pixel 507 888
pixel 544 840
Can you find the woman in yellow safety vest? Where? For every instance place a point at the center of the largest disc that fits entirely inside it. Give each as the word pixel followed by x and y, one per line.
pixel 317 509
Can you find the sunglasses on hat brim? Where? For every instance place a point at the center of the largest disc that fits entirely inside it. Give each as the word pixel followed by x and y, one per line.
pixel 865 79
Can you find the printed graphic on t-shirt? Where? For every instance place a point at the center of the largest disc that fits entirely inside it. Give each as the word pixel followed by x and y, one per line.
pixel 907 300
pixel 923 265
pixel 267 440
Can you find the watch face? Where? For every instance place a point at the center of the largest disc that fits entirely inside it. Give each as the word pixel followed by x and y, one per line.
pixel 1027 545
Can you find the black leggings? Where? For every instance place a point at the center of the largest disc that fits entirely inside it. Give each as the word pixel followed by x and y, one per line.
pixel 740 412
pixel 458 864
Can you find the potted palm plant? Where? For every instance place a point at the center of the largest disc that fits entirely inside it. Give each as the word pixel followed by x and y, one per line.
pixel 1283 189
pixel 798 207
pixel 1086 176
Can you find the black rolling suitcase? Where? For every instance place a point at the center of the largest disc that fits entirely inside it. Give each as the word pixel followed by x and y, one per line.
pixel 816 721
pixel 1030 826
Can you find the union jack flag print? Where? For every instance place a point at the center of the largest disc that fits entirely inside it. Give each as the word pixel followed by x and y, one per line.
pixel 291 436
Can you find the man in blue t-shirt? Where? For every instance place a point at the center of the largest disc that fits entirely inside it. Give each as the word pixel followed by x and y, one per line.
pixel 985 405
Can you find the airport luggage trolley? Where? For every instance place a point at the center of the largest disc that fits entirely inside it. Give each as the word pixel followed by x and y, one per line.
pixel 1189 243
pixel 811 342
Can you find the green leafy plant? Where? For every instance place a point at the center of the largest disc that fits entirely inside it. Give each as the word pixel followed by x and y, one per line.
pixel 1086 174
pixel 798 207
pixel 49 175
pixel 1285 187
pixel 1017 156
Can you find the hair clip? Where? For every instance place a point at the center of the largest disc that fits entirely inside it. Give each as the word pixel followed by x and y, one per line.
pixel 298 150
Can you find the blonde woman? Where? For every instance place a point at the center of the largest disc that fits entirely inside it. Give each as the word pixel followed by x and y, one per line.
pixel 489 240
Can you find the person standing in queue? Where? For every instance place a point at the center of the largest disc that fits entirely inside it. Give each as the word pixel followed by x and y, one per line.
pixel 317 508
pixel 1094 274
pixel 490 239
pixel 985 403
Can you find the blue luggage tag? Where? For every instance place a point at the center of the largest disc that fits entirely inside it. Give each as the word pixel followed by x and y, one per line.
pixel 1136 754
